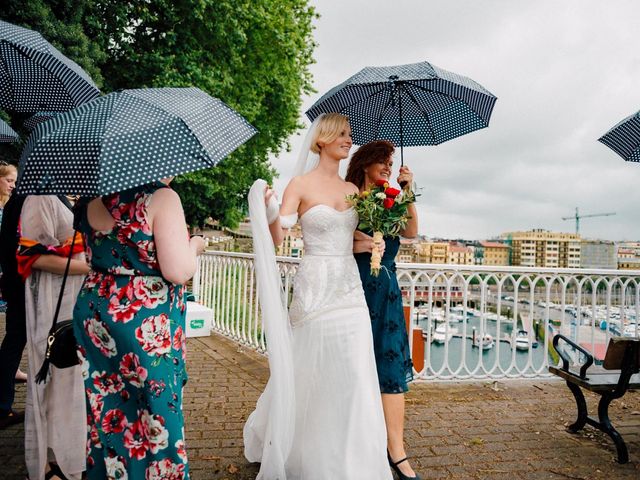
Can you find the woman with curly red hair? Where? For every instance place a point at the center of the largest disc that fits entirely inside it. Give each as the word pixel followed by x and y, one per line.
pixel 373 162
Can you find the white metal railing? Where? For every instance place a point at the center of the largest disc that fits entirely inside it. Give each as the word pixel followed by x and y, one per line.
pixel 465 318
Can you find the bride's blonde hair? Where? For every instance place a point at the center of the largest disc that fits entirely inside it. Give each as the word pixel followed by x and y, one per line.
pixel 328 129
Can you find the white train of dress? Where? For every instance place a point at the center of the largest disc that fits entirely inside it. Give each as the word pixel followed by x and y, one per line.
pixel 339 430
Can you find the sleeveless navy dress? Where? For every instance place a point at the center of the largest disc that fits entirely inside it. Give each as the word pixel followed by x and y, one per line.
pixel 384 299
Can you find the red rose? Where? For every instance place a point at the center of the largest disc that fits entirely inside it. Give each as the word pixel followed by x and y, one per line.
pixel 392 192
pixel 388 203
pixel 382 183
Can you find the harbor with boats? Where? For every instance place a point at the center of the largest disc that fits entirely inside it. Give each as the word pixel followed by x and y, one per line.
pixel 463 338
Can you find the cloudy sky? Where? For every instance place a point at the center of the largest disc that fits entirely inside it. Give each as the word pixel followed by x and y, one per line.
pixel 564 72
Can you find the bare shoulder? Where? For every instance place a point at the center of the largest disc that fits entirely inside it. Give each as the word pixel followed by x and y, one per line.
pixel 165 195
pixel 296 181
pixel 296 186
pixel 164 199
pixel 299 182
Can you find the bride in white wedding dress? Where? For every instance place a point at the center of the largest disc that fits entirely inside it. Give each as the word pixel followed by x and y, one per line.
pixel 320 416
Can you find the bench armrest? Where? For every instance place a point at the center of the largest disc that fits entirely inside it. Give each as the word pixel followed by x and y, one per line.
pixel 565 359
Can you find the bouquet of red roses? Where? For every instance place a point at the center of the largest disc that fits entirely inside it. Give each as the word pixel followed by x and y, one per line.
pixel 383 210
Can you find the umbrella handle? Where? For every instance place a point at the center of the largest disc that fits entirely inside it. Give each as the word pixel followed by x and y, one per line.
pixel 402 184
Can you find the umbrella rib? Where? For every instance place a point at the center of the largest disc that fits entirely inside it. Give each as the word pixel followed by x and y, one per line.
pixel 379 122
pixel 57 71
pixel 448 95
pixel 10 83
pixel 423 111
pixel 355 102
pixel 432 90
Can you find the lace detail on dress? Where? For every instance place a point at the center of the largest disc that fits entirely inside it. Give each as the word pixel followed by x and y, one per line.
pixel 328 277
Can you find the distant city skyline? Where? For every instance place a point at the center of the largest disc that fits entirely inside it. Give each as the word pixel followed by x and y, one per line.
pixel 563 72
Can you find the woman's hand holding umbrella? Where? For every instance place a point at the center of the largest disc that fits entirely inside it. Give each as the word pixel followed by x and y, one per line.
pixel 405 178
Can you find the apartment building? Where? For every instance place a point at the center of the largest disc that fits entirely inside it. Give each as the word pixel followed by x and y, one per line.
pixel 432 252
pixel 492 253
pixel 628 257
pixel 542 248
pixel 459 255
pixel 598 254
pixel 408 251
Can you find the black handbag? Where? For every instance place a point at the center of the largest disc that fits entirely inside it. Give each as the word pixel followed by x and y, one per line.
pixel 61 343
pixel 62 346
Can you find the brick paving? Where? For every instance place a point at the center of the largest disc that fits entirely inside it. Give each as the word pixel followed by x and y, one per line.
pixel 480 430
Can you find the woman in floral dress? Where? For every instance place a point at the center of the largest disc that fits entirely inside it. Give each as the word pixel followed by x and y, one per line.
pixel 129 323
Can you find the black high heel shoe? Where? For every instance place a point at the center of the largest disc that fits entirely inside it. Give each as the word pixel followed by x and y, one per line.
pixel 394 467
pixel 54 471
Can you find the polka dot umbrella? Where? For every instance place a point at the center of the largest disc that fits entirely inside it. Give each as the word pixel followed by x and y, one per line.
pixel 624 138
pixel 35 76
pixel 408 105
pixel 37 118
pixel 7 134
pixel 129 138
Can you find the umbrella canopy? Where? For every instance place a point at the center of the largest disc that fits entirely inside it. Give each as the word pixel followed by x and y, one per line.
pixel 7 134
pixel 409 105
pixel 35 76
pixel 37 118
pixel 129 138
pixel 624 138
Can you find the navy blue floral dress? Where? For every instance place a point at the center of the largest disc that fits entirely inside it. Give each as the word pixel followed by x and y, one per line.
pixel 384 299
pixel 129 324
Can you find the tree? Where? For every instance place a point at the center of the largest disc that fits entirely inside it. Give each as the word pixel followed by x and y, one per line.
pixel 252 54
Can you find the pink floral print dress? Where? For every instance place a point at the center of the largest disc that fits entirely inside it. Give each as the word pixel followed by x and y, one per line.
pixel 129 324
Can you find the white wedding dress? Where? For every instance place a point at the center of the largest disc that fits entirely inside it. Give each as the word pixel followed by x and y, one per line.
pixel 339 430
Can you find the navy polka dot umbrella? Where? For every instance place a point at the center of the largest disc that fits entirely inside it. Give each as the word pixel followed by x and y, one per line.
pixel 408 105
pixel 35 76
pixel 129 138
pixel 37 118
pixel 624 138
pixel 7 134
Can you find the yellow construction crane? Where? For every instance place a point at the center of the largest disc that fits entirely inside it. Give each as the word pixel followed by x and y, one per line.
pixel 577 217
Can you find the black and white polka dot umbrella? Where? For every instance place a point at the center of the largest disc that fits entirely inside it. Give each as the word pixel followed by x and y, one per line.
pixel 35 76
pixel 37 118
pixel 129 138
pixel 408 105
pixel 7 134
pixel 624 138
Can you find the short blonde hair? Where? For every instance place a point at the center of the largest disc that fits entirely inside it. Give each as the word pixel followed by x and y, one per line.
pixel 328 129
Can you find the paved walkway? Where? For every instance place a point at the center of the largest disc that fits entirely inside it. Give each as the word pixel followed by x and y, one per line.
pixel 509 430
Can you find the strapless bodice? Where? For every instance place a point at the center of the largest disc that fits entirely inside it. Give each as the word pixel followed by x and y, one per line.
pixel 327 231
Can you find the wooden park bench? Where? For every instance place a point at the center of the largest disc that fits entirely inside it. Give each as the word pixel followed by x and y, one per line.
pixel 618 373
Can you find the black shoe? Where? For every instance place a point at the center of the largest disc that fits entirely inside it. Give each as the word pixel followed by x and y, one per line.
pixel 394 467
pixel 54 472
pixel 12 418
